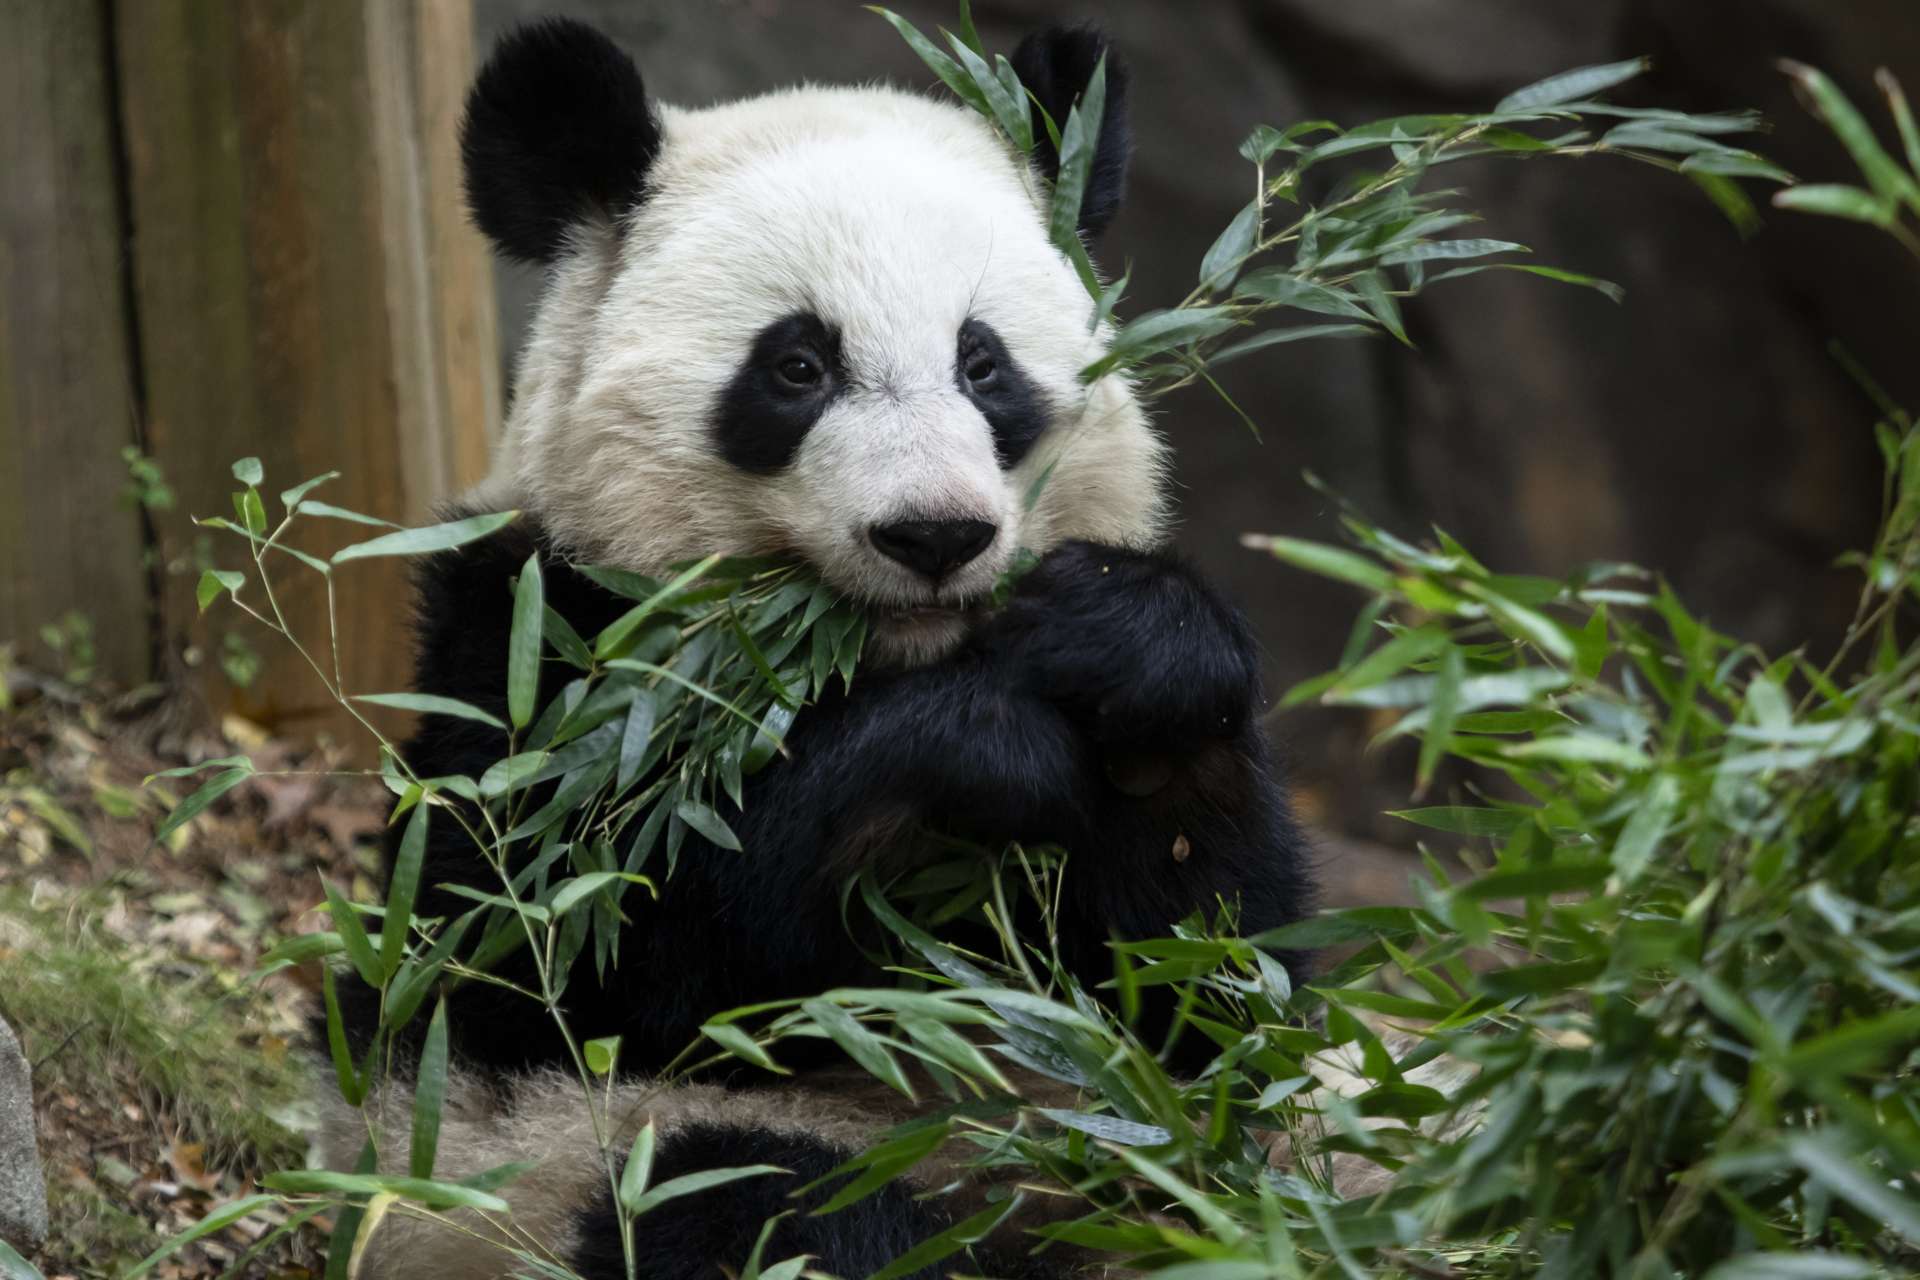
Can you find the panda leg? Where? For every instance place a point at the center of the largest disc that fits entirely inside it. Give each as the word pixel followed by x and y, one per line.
pixel 712 1232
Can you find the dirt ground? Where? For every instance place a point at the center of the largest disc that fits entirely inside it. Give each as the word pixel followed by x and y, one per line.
pixel 167 1076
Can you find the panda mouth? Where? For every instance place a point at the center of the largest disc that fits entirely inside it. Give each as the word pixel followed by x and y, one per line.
pixel 932 612
pixel 916 634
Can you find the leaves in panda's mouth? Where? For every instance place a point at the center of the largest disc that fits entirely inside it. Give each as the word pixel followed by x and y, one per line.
pixel 693 689
pixel 611 745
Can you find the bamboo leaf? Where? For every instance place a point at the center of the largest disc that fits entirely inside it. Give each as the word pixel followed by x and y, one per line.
pixel 635 734
pixel 970 1230
pixel 197 803
pixel 523 643
pixel 1431 250
pixel 1006 108
pixel 1827 1162
pixel 1856 1047
pixel 423 1191
pixel 433 705
pixel 1645 828
pixel 403 885
pixel 1580 748
pixel 601 1055
pixel 1328 562
pixel 429 1095
pixel 1568 86
pixel 880 1164
pixel 1109 1128
pixel 1281 286
pixel 353 936
pixel 217 1219
pixel 860 1044
pixel 352 1087
pixel 1398 653
pixel 613 639
pixel 332 512
pixel 290 498
pixel 1902 116
pixel 1835 200
pixel 1612 291
pixel 1891 184
pixel 1441 713
pixel 1079 145
pixel 739 1044
pixel 1465 819
pixel 709 824
pixel 577 889
pixel 638 1171
pixel 213 582
pixel 1224 257
pixel 414 542
pixel 690 1183
pixel 946 68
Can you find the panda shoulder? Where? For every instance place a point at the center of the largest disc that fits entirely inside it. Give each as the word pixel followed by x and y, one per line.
pixel 474 575
pixel 463 606
pixel 463 603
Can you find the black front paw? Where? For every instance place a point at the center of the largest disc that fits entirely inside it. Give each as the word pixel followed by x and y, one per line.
pixel 1134 646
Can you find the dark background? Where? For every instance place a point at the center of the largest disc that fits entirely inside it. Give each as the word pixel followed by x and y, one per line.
pixel 1700 428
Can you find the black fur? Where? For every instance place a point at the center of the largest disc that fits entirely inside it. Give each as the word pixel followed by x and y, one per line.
pixel 1110 708
pixel 763 415
pixel 1014 407
pixel 694 1237
pixel 1055 66
pixel 557 131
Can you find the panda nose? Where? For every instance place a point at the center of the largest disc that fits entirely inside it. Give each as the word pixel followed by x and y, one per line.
pixel 934 548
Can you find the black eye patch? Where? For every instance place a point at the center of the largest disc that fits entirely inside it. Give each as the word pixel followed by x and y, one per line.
pixel 791 374
pixel 1015 408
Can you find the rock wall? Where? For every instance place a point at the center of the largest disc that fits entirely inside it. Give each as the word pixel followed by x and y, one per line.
pixel 1700 427
pixel 23 1191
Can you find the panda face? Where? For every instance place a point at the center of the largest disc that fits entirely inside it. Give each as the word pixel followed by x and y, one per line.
pixel 833 326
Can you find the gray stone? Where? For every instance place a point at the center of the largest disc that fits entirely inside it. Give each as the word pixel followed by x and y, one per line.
pixel 23 1193
pixel 1698 427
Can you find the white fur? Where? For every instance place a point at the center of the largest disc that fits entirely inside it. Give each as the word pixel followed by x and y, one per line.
pixel 895 218
pixel 547 1120
pixel 1340 1072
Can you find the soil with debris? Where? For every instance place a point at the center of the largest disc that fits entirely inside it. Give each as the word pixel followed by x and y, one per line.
pixel 168 1076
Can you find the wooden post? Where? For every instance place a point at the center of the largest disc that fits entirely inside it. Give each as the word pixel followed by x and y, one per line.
pixel 306 292
pixel 68 543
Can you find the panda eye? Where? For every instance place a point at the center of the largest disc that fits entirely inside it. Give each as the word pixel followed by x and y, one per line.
pixel 798 373
pixel 981 370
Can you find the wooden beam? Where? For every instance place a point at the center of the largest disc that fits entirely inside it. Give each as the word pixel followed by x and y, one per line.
pixel 301 300
pixel 68 542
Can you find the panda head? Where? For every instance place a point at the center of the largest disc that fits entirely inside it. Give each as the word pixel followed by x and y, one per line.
pixel 824 322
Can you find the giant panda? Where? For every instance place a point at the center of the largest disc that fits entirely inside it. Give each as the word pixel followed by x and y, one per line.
pixel 825 323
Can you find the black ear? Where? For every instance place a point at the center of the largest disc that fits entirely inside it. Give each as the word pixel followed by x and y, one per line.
pixel 1055 66
pixel 557 132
